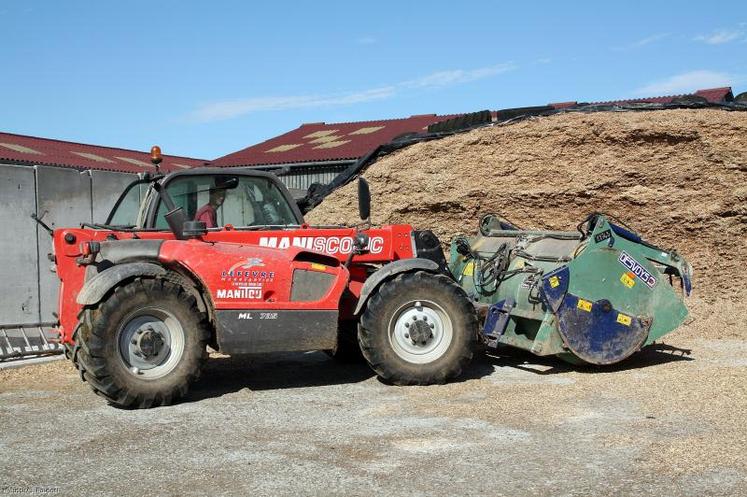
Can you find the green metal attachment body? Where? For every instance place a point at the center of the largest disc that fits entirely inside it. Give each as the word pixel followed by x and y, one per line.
pixel 596 298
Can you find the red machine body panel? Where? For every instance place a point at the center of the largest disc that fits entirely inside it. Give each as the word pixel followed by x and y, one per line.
pixel 242 276
pixel 227 262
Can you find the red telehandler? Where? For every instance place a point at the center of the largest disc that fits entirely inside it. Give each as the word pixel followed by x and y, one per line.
pixel 145 293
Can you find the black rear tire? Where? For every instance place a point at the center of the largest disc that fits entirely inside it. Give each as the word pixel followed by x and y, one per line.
pixel 102 353
pixel 432 301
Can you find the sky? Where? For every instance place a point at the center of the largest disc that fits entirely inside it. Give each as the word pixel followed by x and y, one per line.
pixel 204 79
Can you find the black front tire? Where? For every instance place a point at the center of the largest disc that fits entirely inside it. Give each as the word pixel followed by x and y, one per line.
pixel 103 361
pixel 381 329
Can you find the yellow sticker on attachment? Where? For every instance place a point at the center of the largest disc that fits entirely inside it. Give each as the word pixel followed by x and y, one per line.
pixel 584 305
pixel 318 267
pixel 469 269
pixel 628 279
pixel 554 281
pixel 623 319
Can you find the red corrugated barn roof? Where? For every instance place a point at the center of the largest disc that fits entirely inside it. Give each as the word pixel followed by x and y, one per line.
pixel 716 95
pixel 314 142
pixel 713 95
pixel 30 150
pixel 318 142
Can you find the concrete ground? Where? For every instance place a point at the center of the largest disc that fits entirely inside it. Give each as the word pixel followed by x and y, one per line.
pixel 662 424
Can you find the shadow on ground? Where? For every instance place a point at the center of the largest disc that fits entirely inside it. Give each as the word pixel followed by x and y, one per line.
pixel 224 375
pixel 652 355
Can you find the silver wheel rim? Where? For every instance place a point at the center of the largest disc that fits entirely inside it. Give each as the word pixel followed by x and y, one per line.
pixel 420 332
pixel 150 343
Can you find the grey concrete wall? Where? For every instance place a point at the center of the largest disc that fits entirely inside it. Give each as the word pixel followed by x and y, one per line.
pixel 61 197
pixel 19 270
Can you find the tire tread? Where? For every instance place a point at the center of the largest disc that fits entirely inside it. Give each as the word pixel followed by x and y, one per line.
pixel 373 335
pixel 93 336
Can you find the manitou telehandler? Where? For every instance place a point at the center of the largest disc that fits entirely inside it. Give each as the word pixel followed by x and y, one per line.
pixel 144 294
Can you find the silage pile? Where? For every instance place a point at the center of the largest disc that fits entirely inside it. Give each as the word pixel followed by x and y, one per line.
pixel 679 177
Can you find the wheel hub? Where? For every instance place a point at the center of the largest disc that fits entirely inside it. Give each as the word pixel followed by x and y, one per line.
pixel 148 342
pixel 151 342
pixel 420 332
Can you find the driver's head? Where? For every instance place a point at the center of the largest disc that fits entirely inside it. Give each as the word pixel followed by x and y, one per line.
pixel 217 196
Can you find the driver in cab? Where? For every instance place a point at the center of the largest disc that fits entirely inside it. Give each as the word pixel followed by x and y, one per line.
pixel 208 213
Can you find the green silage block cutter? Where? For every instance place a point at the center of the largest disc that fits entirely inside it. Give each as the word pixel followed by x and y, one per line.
pixel 592 296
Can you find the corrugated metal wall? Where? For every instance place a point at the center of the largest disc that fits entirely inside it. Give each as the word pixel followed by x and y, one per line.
pixel 302 177
pixel 61 197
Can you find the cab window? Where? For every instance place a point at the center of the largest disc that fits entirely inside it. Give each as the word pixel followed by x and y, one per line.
pixel 226 199
pixel 127 208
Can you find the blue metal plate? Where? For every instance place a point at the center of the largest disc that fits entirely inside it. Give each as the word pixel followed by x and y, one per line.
pixel 597 333
pixel 554 287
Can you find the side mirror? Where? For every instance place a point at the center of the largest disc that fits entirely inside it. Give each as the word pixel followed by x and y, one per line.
pixel 364 199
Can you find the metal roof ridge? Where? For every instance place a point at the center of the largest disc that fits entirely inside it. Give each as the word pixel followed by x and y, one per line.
pixel 29 163
pixel 97 146
pixel 663 96
pixel 640 98
pixel 377 120
pixel 286 162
